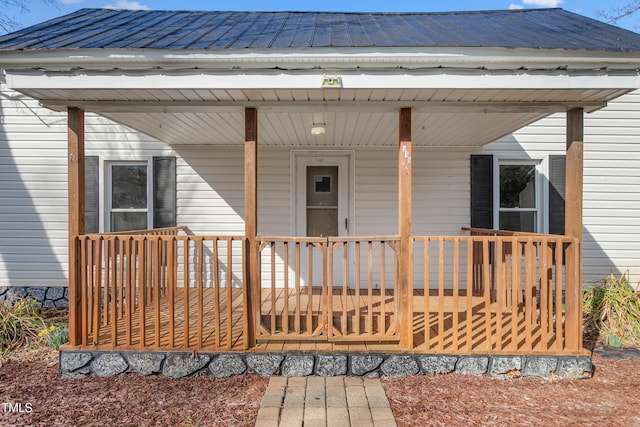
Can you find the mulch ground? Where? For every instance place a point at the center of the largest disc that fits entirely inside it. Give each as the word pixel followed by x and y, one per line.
pixel 610 398
pixel 126 400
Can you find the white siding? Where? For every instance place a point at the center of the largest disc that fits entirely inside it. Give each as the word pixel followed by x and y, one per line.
pixel 33 193
pixel 612 190
pixel 210 190
pixel 33 186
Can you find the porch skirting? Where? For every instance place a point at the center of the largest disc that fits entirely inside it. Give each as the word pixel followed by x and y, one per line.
pixel 79 364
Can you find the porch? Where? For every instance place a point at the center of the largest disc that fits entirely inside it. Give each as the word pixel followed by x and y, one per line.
pixel 483 292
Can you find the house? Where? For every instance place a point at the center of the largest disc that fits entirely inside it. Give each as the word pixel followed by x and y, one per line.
pixel 268 182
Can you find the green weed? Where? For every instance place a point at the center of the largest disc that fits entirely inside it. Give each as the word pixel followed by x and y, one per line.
pixel 54 336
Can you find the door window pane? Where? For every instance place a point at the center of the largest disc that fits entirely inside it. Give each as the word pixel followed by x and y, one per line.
pixel 129 187
pixel 517 186
pixel 322 183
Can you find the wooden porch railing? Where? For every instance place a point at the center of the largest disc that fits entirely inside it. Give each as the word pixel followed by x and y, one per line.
pixel 292 306
pixel 335 289
pixel 147 290
pixel 483 293
pixel 498 293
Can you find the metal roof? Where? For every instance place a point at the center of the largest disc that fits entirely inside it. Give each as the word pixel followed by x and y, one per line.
pixel 109 29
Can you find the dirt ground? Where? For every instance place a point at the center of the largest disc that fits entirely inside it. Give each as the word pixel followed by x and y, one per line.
pixel 610 398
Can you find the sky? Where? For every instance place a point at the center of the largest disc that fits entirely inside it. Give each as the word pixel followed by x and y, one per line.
pixel 40 10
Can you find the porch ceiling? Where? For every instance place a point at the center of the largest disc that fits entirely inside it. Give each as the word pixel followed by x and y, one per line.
pixel 352 117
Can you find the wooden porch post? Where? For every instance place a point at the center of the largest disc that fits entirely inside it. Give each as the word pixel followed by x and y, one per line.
pixel 405 303
pixel 573 227
pixel 75 152
pixel 251 225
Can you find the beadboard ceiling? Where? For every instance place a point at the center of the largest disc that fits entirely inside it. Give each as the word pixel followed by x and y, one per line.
pixel 352 117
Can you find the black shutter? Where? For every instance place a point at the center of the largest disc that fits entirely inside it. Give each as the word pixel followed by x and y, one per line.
pixel 482 191
pixel 164 192
pixel 91 195
pixel 557 174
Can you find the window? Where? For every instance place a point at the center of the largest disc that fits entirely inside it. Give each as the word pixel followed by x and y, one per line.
pixel 518 197
pixel 125 195
pixel 129 197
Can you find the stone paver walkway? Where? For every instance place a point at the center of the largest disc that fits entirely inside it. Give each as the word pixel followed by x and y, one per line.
pixel 324 401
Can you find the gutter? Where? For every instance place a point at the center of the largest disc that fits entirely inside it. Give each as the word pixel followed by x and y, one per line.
pixel 329 59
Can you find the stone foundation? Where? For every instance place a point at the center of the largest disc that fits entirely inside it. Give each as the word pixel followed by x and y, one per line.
pixel 48 296
pixel 78 364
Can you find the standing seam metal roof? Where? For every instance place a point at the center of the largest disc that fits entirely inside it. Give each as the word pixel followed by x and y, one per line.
pixel 109 29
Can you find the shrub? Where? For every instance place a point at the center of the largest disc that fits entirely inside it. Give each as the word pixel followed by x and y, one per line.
pixel 612 311
pixel 26 323
pixel 20 324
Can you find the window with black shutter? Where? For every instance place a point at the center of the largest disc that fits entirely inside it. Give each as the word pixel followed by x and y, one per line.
pixel 137 194
pixel 518 201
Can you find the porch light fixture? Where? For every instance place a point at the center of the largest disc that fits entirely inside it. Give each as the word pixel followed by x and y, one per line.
pixel 317 129
pixel 331 82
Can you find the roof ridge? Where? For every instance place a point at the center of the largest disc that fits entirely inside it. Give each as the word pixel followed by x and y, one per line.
pixel 452 12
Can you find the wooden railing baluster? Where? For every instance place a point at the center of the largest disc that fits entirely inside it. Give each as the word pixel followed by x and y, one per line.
pixel 500 291
pixel 357 305
pixel 383 292
pixel 216 293
pixel 440 293
pixel 285 262
pixel 516 290
pixel 298 279
pixel 427 290
pixel 229 294
pixel 469 290
pixel 345 289
pixel 142 280
pixel 456 292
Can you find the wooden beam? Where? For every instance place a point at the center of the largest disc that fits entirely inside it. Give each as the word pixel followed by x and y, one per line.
pixel 252 287
pixel 573 227
pixel 75 158
pixel 405 303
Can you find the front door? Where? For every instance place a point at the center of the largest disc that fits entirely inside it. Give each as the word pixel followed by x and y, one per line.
pixel 323 202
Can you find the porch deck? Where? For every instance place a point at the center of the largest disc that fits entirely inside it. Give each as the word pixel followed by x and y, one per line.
pixel 466 326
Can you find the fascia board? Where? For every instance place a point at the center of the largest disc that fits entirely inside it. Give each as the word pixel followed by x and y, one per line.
pixel 277 79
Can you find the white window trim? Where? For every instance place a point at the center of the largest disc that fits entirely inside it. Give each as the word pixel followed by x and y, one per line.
pixel 542 188
pixel 105 188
